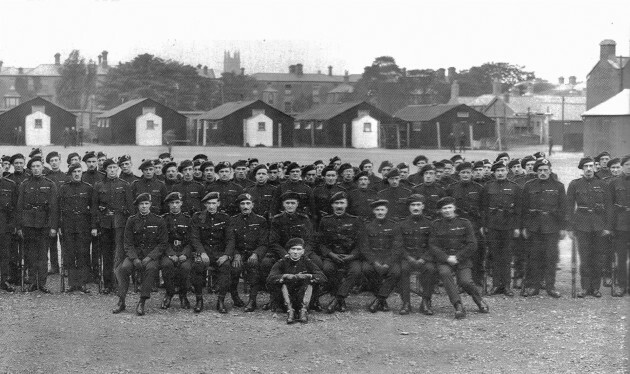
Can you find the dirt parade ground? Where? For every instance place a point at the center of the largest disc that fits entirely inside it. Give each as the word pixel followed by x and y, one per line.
pixel 76 333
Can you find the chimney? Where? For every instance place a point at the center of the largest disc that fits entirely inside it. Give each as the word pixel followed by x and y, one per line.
pixel 506 97
pixel 298 70
pixel 242 71
pixel 57 58
pixel 198 66
pixel 100 59
pixel 561 80
pixel 205 70
pixel 291 69
pixel 496 87
pixel 572 80
pixel 404 72
pixel 346 77
pixel 440 74
pixel 104 53
pixel 451 74
pixel 529 90
pixel 454 92
pixel 330 71
pixel 20 70
pixel 606 49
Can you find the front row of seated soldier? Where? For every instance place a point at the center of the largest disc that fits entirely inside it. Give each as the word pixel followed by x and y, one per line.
pixel 285 257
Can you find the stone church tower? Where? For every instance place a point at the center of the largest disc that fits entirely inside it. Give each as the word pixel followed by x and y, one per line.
pixel 232 63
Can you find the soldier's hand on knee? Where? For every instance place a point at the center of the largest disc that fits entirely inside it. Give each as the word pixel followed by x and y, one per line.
pixel 335 257
pixel 183 258
pixel 525 234
pixel 52 232
pixel 288 277
pixel 145 261
pixel 253 259
pixel 237 262
pixel 137 263
pixel 452 260
pixel 516 233
pixel 222 259
pixel 606 232
pixel 174 258
pixel 94 232
pixel 20 233
pixel 204 258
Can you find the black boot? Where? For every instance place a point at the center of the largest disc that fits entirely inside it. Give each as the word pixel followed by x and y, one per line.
pixel 303 315
pixel 198 304
pixel 483 307
pixel 251 304
pixel 425 307
pixel 140 307
pixel 6 286
pixel 166 303
pixel 375 305
pixel 315 305
pixel 332 306
pixel 342 304
pixel 221 305
pixel 460 312
pixel 384 306
pixel 120 306
pixel 290 315
pixel 183 301
pixel 406 308
pixel 236 300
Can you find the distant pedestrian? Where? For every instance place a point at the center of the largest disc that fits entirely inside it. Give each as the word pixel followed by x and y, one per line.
pixel 550 145
pixel 462 142
pixel 452 142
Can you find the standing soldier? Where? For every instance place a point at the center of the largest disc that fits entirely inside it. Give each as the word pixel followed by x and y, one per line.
pixel 101 157
pixel 383 169
pixel 169 170
pixel 91 175
pixel 304 192
pixel 191 191
pixel 8 200
pixel 126 174
pixel 309 175
pixel 146 239
pixel 73 158
pixel 431 190
pixel 396 195
pixel 251 238
pixel 262 193
pixel 587 200
pixel 544 219
pixel 418 162
pixel 619 220
pixel 339 243
pixel 453 243
pixel 323 193
pixel 346 176
pixel 608 246
pixel 213 243
pixel 37 216
pixel 111 202
pixel 274 175
pixel 228 191
pixel 603 171
pixel 149 184
pixel 56 175
pixel 368 167
pixel 75 226
pixel 16 251
pixel 177 261
pixel 360 198
pixel 240 174
pixel 209 176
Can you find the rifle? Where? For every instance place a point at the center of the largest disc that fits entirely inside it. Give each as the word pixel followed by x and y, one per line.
pixel 574 249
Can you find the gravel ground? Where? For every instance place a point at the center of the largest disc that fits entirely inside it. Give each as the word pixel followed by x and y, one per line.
pixel 71 333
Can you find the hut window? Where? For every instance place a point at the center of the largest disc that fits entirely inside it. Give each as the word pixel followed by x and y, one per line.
pixel 148 109
pixel 150 125
pixel 287 89
pixel 367 127
pixel 319 126
pixel 39 123
pixel 261 126
pixel 296 126
pixel 416 126
pixel 308 126
pixel 463 114
pixel 214 126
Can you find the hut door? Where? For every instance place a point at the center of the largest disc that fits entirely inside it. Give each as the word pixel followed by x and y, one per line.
pixel 37 129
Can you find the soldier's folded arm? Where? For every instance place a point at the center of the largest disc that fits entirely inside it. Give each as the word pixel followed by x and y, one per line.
pixel 276 273
pixel 316 273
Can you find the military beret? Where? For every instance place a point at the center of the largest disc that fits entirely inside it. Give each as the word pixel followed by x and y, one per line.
pixel 243 197
pixel 448 200
pixel 447 161
pixel 393 173
pixel 464 166
pixel 584 160
pixel 334 159
pixel 260 166
pixel 34 159
pixel 318 162
pixel 364 162
pixel 71 156
pixel 625 159
pixel 486 161
pixel 198 162
pixel 308 168
pixel 602 154
pixel 402 165
pixel 173 196
pixel 539 155
pixel 360 175
pixel 416 198
pixel 273 166
pixel 328 169
pixel 252 160
pixel 437 165
pixel 200 156
pixel 426 168
pixel 17 156
pixel 206 164
pixel 100 154
pixel 289 195
pixel 145 196
pixel 478 164
pixel 286 163
pixel 35 151
pixel 343 167
pixel 341 195
pixel 294 242
pixel 501 155
pixel 384 165
pixel 498 165
pixel 6 158
pixel 184 164
pixel 613 161
pixel 377 203
pixel 210 196
pixel 540 163
pixel 239 164
pixel 73 167
pixel 145 164
pixel 88 155
pixel 108 162
pixel 292 166
pixel 51 155
pixel 513 163
pixel 168 165
pixel 457 158
pixel 527 159
pixel 165 155
pixel 124 158
pixel 420 158
pixel 157 162
pixel 221 165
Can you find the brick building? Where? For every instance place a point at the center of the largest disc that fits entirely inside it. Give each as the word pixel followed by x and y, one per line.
pixel 609 76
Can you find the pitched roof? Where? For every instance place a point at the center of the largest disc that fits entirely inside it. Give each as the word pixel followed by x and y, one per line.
pixel 289 77
pixel 342 88
pixel 225 110
pixel 27 102
pixel 418 113
pixel 618 105
pixel 573 106
pixel 47 70
pixel 324 112
pixel 121 107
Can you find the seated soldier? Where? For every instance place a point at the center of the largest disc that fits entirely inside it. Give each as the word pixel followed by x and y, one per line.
pixel 294 276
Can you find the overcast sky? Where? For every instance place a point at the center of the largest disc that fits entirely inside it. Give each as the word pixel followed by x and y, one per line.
pixel 552 38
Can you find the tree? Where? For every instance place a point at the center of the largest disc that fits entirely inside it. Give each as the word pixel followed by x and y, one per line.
pixel 236 87
pixel 383 84
pixel 77 83
pixel 477 80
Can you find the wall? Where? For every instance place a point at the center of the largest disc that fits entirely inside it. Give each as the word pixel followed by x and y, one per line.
pixel 604 82
pixel 606 133
pixel 252 136
pixel 35 136
pixel 146 136
pixel 362 139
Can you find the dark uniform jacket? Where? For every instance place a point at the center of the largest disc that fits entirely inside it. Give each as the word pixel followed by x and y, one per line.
pixel 340 234
pixel 619 214
pixel 112 202
pixel 603 173
pixel 306 204
pixel 244 183
pixel 382 241
pixel 322 195
pixel 228 192
pixel 19 177
pixel 347 185
pixel 262 197
pixel 587 204
pixel 501 205
pixel 359 201
pixel 544 206
pixel 58 177
pixel 92 177
pixel 170 183
pixel 37 203
pixel 415 231
pixel 211 233
pixel 75 207
pixel 432 193
pixel 179 227
pixel 397 197
pixel 415 178
pixel 453 237
pixel 467 200
pixel 153 187
pixel 128 177
pixel 192 193
pixel 8 201
pixel 250 234
pixel 145 236
pixel 285 226
pixel 302 266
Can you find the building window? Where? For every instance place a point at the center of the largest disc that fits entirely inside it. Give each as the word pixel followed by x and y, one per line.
pixel 308 126
pixel 417 126
pixel 39 124
pixel 288 107
pixel 11 101
pixel 367 127
pixel 261 126
pixel 316 99
pixel 150 124
pixel 148 109
pixel 463 114
pixel 296 126
pixel 319 126
pixel 287 89
pixel 214 125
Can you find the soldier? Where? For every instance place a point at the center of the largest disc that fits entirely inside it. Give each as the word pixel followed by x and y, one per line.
pixel 56 175
pixel 587 200
pixel 396 195
pixel 323 193
pixel 403 169
pixel 515 169
pixel 209 176
pixel 37 217
pixel 262 193
pixel 73 158
pixel 478 174
pixel 101 157
pixel 309 175
pixel 157 164
pixel 383 169
pixel 295 275
pixel 304 192
pixel 443 173
pixel 544 219
pixel 602 160
pixel 197 173
pixel 177 261
pixel 75 227
pixel 339 244
pixel 431 190
pixel 169 170
pixel 419 163
pixel 360 198
pixel 91 176
pixel 381 250
pixel 6 165
pixel 126 174
pixel 615 168
pixel 146 239
pixel 619 220
pixel 251 238
pixel 501 210
pixel 228 190
pixel 415 230
pixel 112 202
pixel 240 174
pixel 19 174
pixel 608 246
pixel 192 191
pixel 368 167
pixel 346 176
pixel 452 244
pixel 8 201
pixel 274 175
pixel 149 184
pixel 213 243
pixel 335 161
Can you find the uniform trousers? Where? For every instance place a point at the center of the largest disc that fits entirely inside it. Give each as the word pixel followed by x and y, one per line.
pixel 500 242
pixel 622 248
pixel 75 252
pixel 520 254
pixel 53 252
pixel 250 273
pixel 147 276
pixel 341 276
pixel 36 251
pixel 5 245
pixel 428 279
pixel 296 293
pixel 591 258
pixel 199 270
pixel 175 275
pixel 384 280
pixel 111 252
pixel 543 259
pixel 464 280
